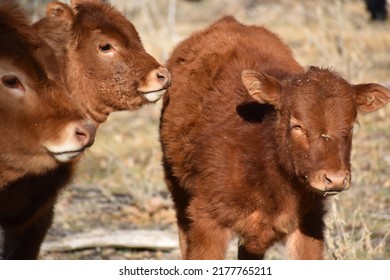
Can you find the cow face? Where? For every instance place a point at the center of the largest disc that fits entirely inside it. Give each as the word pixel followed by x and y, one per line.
pixel 107 66
pixel 316 113
pixel 37 115
pixel 40 126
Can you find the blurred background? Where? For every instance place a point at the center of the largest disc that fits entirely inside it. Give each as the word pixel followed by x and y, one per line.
pixel 119 191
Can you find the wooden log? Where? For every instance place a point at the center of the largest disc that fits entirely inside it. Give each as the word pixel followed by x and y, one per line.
pixel 131 239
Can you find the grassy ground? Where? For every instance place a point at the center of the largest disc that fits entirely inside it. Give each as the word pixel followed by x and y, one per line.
pixel 120 185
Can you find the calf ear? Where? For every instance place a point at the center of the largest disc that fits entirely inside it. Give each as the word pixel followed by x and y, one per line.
pixel 61 10
pixel 55 32
pixel 265 89
pixel 371 97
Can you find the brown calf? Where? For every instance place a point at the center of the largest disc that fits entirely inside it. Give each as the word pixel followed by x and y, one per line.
pixel 42 133
pixel 102 63
pixel 105 65
pixel 253 142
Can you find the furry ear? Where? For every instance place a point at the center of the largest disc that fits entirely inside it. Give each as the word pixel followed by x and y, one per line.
pixel 265 89
pixel 371 97
pixel 55 28
pixel 61 10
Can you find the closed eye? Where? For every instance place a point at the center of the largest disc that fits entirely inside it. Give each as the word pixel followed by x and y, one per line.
pixel 297 130
pixel 297 127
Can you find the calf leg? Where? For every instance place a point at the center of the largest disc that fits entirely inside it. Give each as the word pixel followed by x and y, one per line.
pixel 206 240
pixel 183 224
pixel 24 243
pixel 181 198
pixel 200 237
pixel 254 247
pixel 245 254
pixel 183 241
pixel 307 242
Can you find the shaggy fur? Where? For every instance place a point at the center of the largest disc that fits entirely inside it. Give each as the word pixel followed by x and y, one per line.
pixel 106 67
pixel 96 54
pixel 36 114
pixel 253 142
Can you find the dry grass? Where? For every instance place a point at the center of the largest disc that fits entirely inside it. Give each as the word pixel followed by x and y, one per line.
pixel 120 182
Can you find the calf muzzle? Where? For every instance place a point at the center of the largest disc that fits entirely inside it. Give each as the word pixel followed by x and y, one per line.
pixel 156 83
pixel 330 182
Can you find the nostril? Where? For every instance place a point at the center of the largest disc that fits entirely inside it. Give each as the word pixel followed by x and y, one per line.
pixel 85 134
pixel 82 135
pixel 337 179
pixel 328 180
pixel 161 77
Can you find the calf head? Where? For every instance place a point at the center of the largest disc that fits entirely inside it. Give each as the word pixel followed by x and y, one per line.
pixel 40 126
pixel 107 68
pixel 316 112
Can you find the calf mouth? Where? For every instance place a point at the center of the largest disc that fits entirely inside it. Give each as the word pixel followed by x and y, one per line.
pixel 329 182
pixel 154 84
pixel 330 193
pixel 155 95
pixel 323 191
pixel 67 155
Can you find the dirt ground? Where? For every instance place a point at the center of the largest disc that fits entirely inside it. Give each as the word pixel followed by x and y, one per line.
pixel 120 187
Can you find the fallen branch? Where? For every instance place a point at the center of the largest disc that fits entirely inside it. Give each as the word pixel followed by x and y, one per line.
pixel 133 239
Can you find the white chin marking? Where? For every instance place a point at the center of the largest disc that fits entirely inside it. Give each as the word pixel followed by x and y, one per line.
pixel 154 95
pixel 65 157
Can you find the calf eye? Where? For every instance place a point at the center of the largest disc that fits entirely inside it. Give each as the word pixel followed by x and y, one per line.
pixel 11 81
pixel 105 48
pixel 296 127
pixel 297 130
